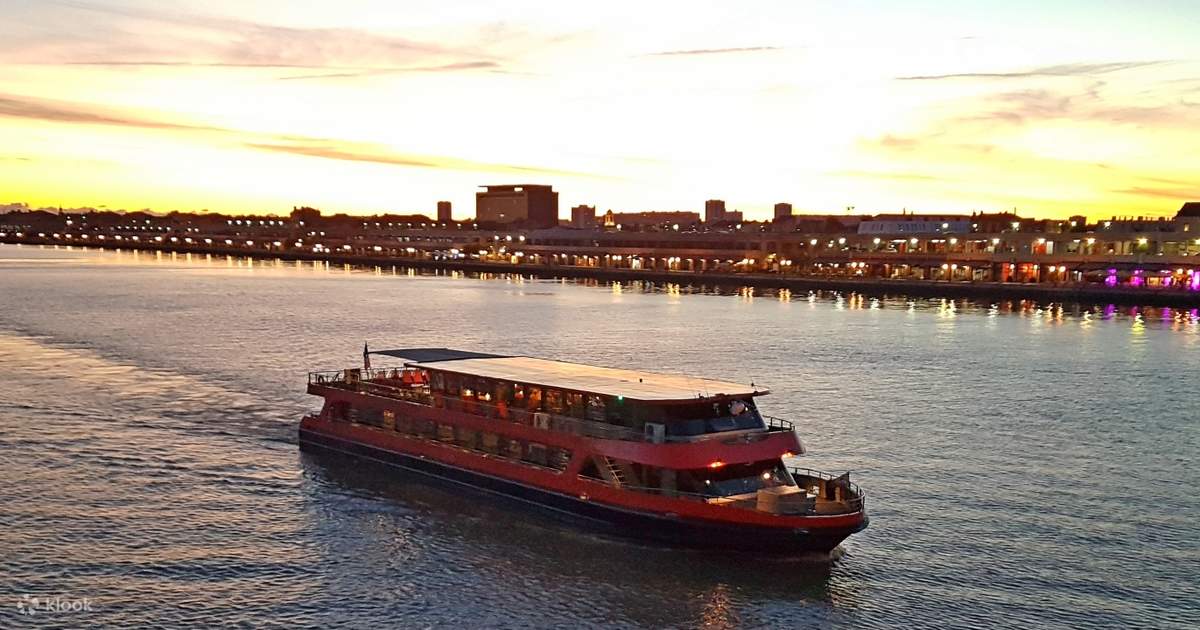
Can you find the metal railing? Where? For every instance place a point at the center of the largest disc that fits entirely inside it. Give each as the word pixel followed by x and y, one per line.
pixel 387 382
pixel 857 499
pixel 852 504
pixel 779 424
pixel 540 419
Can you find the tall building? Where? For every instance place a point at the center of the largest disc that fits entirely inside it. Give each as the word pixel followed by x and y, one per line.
pixel 583 217
pixel 444 214
pixel 526 205
pixel 714 211
pixel 783 211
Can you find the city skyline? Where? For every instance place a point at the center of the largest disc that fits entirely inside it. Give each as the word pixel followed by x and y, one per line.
pixel 364 107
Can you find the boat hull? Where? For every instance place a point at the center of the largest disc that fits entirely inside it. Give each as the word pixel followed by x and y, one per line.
pixel 664 528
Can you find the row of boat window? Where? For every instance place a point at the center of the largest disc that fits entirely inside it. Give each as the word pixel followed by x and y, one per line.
pixel 681 419
pixel 529 397
pixel 481 441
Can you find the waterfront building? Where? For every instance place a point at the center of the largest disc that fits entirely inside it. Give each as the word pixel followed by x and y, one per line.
pixel 583 217
pixel 916 224
pixel 444 214
pixel 988 247
pixel 660 219
pixel 518 205
pixel 714 211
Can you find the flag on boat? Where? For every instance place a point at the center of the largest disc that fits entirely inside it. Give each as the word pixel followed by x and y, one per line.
pixel 366 357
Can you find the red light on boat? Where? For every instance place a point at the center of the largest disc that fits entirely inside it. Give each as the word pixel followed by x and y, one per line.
pixel 788 454
pixel 716 464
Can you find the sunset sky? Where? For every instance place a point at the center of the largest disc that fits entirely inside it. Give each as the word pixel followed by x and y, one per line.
pixel 1054 107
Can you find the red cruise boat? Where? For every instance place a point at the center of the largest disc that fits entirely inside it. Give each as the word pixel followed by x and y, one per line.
pixel 675 459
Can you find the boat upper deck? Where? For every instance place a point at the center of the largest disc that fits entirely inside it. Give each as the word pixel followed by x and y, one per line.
pixel 616 382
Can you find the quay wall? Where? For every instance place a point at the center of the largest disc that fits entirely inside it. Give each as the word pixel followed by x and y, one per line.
pixel 1042 292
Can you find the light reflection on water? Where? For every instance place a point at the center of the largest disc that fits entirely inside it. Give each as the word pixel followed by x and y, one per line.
pixel 1028 464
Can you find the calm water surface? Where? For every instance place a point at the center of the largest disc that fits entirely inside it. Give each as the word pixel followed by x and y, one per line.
pixel 1027 466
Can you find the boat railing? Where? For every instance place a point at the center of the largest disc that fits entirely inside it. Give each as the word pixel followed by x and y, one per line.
pixel 540 419
pixel 847 505
pixel 391 383
pixel 386 382
pixel 855 497
pixel 779 424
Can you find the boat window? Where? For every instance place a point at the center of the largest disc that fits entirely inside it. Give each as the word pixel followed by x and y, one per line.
pixel 559 458
pixel 617 411
pixel 736 478
pixel 575 404
pixel 536 454
pixel 595 408
pixel 503 392
pixel 709 417
pixel 437 382
pixel 554 401
pixel 590 470
pixel 533 400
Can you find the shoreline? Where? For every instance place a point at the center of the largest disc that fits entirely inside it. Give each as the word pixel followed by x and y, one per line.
pixel 879 286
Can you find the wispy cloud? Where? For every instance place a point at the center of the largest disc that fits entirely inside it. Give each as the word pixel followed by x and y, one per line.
pixel 1062 70
pixel 1179 194
pixel 327 148
pixel 1030 106
pixel 899 176
pixel 365 72
pixel 56 111
pixel 366 152
pixel 711 51
pixel 125 36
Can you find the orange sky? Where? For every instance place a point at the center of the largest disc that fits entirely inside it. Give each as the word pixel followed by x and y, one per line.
pixel 371 106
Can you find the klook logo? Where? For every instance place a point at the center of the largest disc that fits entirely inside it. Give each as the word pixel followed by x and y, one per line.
pixel 42 604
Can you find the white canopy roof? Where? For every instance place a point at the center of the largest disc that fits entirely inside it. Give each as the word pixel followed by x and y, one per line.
pixel 631 384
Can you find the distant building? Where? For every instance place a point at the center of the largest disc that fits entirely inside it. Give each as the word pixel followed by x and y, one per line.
pixel 526 205
pixel 916 224
pixel 444 214
pixel 783 210
pixel 667 219
pixel 714 211
pixel 733 216
pixel 583 217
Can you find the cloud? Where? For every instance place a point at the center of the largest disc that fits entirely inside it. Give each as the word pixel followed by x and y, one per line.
pixel 323 149
pixel 53 111
pixel 1179 194
pixel 363 72
pixel 123 36
pixel 898 142
pixel 711 51
pixel 77 113
pixel 1031 106
pixel 916 177
pixel 1062 70
pixel 365 152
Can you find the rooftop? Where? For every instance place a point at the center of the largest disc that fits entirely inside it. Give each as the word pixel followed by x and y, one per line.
pixel 632 384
